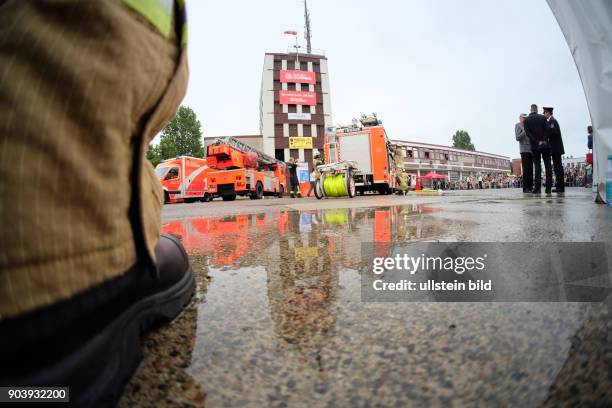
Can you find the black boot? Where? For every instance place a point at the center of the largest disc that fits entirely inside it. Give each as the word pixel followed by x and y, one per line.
pixel 91 342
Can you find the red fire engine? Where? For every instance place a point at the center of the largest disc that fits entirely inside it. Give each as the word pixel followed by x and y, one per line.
pixel 183 179
pixel 239 169
pixel 366 143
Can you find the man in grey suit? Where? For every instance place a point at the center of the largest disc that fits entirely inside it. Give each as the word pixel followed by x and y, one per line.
pixel 553 132
pixel 526 156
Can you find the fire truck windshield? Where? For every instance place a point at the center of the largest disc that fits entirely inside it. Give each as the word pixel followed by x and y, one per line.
pixel 161 171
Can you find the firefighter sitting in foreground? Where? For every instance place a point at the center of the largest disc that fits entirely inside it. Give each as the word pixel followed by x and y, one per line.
pixel 84 270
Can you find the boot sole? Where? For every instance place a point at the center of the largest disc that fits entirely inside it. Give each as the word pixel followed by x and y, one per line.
pixel 97 371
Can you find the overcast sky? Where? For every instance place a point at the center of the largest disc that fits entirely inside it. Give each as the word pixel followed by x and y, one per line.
pixel 427 68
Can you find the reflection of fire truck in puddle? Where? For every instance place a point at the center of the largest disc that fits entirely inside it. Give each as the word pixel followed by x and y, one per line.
pixel 228 239
pixel 225 239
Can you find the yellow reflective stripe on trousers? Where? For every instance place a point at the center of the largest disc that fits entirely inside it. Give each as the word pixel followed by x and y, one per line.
pixel 158 12
pixel 184 35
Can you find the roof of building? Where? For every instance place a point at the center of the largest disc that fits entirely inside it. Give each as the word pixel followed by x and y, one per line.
pixel 449 148
pixel 320 55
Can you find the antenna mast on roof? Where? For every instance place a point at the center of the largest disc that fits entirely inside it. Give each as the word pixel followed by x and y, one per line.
pixel 307 27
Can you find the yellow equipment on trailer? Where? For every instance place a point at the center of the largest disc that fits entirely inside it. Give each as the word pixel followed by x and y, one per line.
pixel 336 180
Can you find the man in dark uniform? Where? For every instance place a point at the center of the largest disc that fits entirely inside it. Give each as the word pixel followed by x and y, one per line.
pixel 553 132
pixel 535 127
pixel 294 183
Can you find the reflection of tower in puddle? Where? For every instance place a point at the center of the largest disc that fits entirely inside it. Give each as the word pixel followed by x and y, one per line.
pixel 303 276
pixel 302 287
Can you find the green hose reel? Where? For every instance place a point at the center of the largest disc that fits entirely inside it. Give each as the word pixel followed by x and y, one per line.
pixel 337 183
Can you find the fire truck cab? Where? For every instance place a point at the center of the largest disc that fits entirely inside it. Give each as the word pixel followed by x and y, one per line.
pixel 183 179
pixel 366 143
pixel 238 169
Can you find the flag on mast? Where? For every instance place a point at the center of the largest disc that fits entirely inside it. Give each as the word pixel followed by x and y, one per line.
pixel 291 32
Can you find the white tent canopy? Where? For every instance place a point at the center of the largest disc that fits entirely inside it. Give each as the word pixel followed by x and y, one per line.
pixel 587 26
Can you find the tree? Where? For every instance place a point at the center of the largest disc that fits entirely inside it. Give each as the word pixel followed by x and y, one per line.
pixel 462 140
pixel 153 154
pixel 182 136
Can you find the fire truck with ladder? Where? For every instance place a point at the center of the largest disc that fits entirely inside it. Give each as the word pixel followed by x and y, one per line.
pixel 365 143
pixel 239 169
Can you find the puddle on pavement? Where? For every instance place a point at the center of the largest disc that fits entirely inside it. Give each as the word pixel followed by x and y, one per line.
pixel 279 322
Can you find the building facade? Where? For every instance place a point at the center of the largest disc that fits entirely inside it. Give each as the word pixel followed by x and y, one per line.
pixel 295 106
pixel 517 167
pixel 421 158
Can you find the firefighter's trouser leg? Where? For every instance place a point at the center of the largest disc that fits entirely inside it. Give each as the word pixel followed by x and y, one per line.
pixel 85 86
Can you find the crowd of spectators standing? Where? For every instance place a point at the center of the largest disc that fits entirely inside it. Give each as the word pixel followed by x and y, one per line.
pixel 486 181
pixel 577 176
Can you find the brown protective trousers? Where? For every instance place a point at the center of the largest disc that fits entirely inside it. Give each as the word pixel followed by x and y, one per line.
pixel 84 86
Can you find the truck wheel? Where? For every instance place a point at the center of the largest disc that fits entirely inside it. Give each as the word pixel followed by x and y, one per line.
pixel 318 190
pixel 281 191
pixel 350 184
pixel 258 194
pixel 207 197
pixel 229 197
pixel 166 197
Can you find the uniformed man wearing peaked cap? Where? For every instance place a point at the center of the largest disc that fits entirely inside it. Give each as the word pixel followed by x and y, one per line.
pixel 535 128
pixel 553 132
pixel 83 268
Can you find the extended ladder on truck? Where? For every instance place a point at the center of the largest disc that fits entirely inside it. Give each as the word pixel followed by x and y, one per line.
pixel 240 169
pixel 262 158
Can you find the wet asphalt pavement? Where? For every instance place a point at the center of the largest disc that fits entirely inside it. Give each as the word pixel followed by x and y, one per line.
pixel 278 319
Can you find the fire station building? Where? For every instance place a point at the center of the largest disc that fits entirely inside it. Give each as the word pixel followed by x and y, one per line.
pixel 295 106
pixel 421 158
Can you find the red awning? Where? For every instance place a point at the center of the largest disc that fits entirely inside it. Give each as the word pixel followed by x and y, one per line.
pixel 433 175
